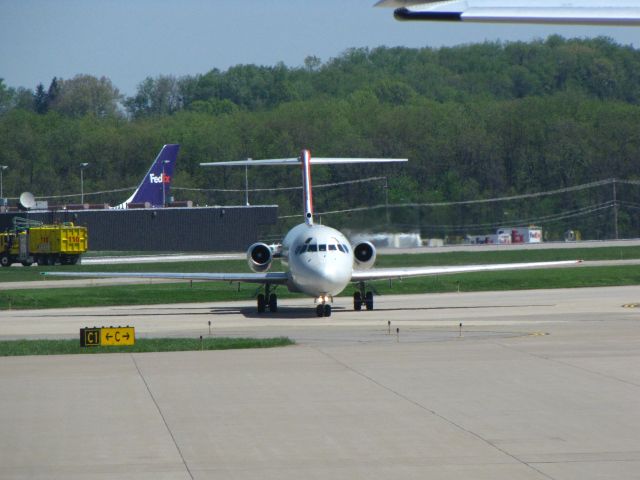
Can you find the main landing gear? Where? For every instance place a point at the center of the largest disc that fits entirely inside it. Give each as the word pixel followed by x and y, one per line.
pixel 323 307
pixel 362 298
pixel 267 299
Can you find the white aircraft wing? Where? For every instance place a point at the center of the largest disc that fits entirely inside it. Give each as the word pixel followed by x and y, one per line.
pixel 269 277
pixel 584 12
pixel 390 273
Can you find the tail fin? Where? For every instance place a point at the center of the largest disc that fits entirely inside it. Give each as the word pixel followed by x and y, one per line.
pixel 305 161
pixel 155 186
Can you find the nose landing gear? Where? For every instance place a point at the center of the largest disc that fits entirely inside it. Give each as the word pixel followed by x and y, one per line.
pixel 323 307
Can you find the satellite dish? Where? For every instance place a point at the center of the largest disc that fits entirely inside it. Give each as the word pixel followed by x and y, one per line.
pixel 27 200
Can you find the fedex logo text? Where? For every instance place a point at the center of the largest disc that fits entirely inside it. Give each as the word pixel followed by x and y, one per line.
pixel 162 178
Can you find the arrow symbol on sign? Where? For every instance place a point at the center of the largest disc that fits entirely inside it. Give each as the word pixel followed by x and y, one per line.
pixel 109 336
pixel 126 336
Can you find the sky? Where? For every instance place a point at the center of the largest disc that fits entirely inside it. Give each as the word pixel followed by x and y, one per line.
pixel 129 40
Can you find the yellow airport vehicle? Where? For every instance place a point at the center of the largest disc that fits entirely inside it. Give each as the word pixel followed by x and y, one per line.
pixel 43 244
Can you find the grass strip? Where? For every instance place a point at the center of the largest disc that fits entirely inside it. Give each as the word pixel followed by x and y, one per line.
pixel 576 277
pixel 145 294
pixel 20 274
pixel 10 348
pixel 508 255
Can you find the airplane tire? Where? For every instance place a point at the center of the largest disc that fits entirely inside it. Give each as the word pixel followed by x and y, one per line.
pixel 369 300
pixel 26 263
pixel 357 301
pixel 320 310
pixel 273 303
pixel 261 303
pixel 327 310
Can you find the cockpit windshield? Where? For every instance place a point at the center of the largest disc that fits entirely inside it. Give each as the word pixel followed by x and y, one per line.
pixel 311 245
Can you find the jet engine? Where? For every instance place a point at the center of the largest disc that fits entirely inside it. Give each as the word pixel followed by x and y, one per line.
pixel 364 255
pixel 259 257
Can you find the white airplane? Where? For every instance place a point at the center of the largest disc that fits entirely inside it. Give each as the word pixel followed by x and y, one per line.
pixel 569 12
pixel 319 260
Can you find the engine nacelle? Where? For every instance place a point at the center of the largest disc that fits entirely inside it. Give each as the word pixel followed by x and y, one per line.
pixel 364 255
pixel 259 257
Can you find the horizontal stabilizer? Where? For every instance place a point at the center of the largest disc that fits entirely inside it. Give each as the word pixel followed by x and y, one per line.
pixel 305 161
pixel 296 161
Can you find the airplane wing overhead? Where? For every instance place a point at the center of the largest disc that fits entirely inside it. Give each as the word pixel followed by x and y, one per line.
pixel 390 273
pixel 269 277
pixel 585 12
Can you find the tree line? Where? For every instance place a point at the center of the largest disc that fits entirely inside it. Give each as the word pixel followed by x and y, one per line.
pixel 475 121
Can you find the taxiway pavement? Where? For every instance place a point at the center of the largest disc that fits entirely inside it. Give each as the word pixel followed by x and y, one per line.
pixel 538 385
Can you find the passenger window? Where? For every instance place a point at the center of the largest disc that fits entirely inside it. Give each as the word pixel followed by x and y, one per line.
pixel 323 247
pixel 332 247
pixel 313 247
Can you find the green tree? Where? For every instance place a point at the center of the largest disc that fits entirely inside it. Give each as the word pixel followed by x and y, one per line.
pixel 86 94
pixel 156 96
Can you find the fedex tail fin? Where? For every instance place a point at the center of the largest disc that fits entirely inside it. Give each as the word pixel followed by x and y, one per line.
pixel 305 161
pixel 155 186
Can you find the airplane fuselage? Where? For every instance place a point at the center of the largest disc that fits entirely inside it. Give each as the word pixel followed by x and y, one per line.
pixel 319 260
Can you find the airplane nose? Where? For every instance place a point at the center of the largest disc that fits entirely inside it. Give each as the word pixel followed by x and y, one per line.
pixel 318 279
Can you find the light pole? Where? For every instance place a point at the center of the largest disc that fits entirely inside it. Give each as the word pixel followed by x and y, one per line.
pixel 82 167
pixel 386 199
pixel 2 169
pixel 164 200
pixel 246 184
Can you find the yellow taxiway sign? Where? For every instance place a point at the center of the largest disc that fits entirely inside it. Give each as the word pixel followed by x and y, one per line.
pixel 107 336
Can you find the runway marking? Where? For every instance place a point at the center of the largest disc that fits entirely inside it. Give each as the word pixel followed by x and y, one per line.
pixel 631 305
pixel 538 334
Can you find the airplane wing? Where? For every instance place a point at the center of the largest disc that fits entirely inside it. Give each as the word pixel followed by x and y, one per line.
pixel 585 12
pixel 269 277
pixel 390 273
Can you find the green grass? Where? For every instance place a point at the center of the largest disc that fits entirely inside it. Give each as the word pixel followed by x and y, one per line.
pixel 183 292
pixel 20 274
pixel 143 294
pixel 33 273
pixel 516 280
pixel 67 347
pixel 509 256
pixel 148 294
